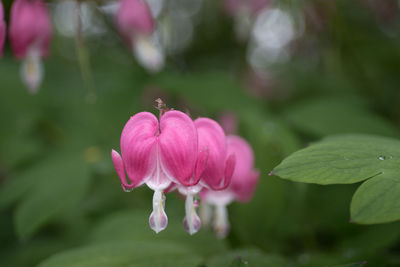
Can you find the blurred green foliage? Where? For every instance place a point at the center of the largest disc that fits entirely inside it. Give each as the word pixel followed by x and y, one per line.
pixel 61 203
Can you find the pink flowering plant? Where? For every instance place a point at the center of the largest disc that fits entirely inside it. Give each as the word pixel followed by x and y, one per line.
pixel 278 149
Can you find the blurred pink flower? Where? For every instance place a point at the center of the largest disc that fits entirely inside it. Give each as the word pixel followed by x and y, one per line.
pixel 158 153
pixel 241 188
pixel 30 34
pixel 2 29
pixel 137 26
pixel 133 18
pixel 30 27
pixel 244 178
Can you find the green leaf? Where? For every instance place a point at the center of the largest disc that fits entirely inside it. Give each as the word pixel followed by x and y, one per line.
pixel 328 116
pixel 125 253
pixel 60 183
pixel 247 257
pixel 341 160
pixel 350 159
pixel 377 200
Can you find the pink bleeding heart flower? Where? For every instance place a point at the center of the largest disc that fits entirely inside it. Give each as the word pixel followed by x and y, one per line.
pixel 217 173
pixel 2 29
pixel 241 188
pixel 137 26
pixel 30 34
pixel 158 153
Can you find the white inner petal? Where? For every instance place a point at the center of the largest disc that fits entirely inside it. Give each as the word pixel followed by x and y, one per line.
pixel 159 179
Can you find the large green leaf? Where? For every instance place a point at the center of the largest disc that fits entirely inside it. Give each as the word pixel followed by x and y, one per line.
pixel 350 159
pixel 341 160
pixel 126 253
pixel 60 183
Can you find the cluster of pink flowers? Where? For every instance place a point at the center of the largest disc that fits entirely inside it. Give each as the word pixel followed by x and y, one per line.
pixel 175 152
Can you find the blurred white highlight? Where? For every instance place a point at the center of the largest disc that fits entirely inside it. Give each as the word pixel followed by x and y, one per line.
pixel 67 14
pixel 32 70
pixel 148 52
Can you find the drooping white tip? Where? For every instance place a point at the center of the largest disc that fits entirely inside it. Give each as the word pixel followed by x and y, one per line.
pixel 191 222
pixel 221 222
pixel 158 219
pixel 32 70
pixel 148 52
